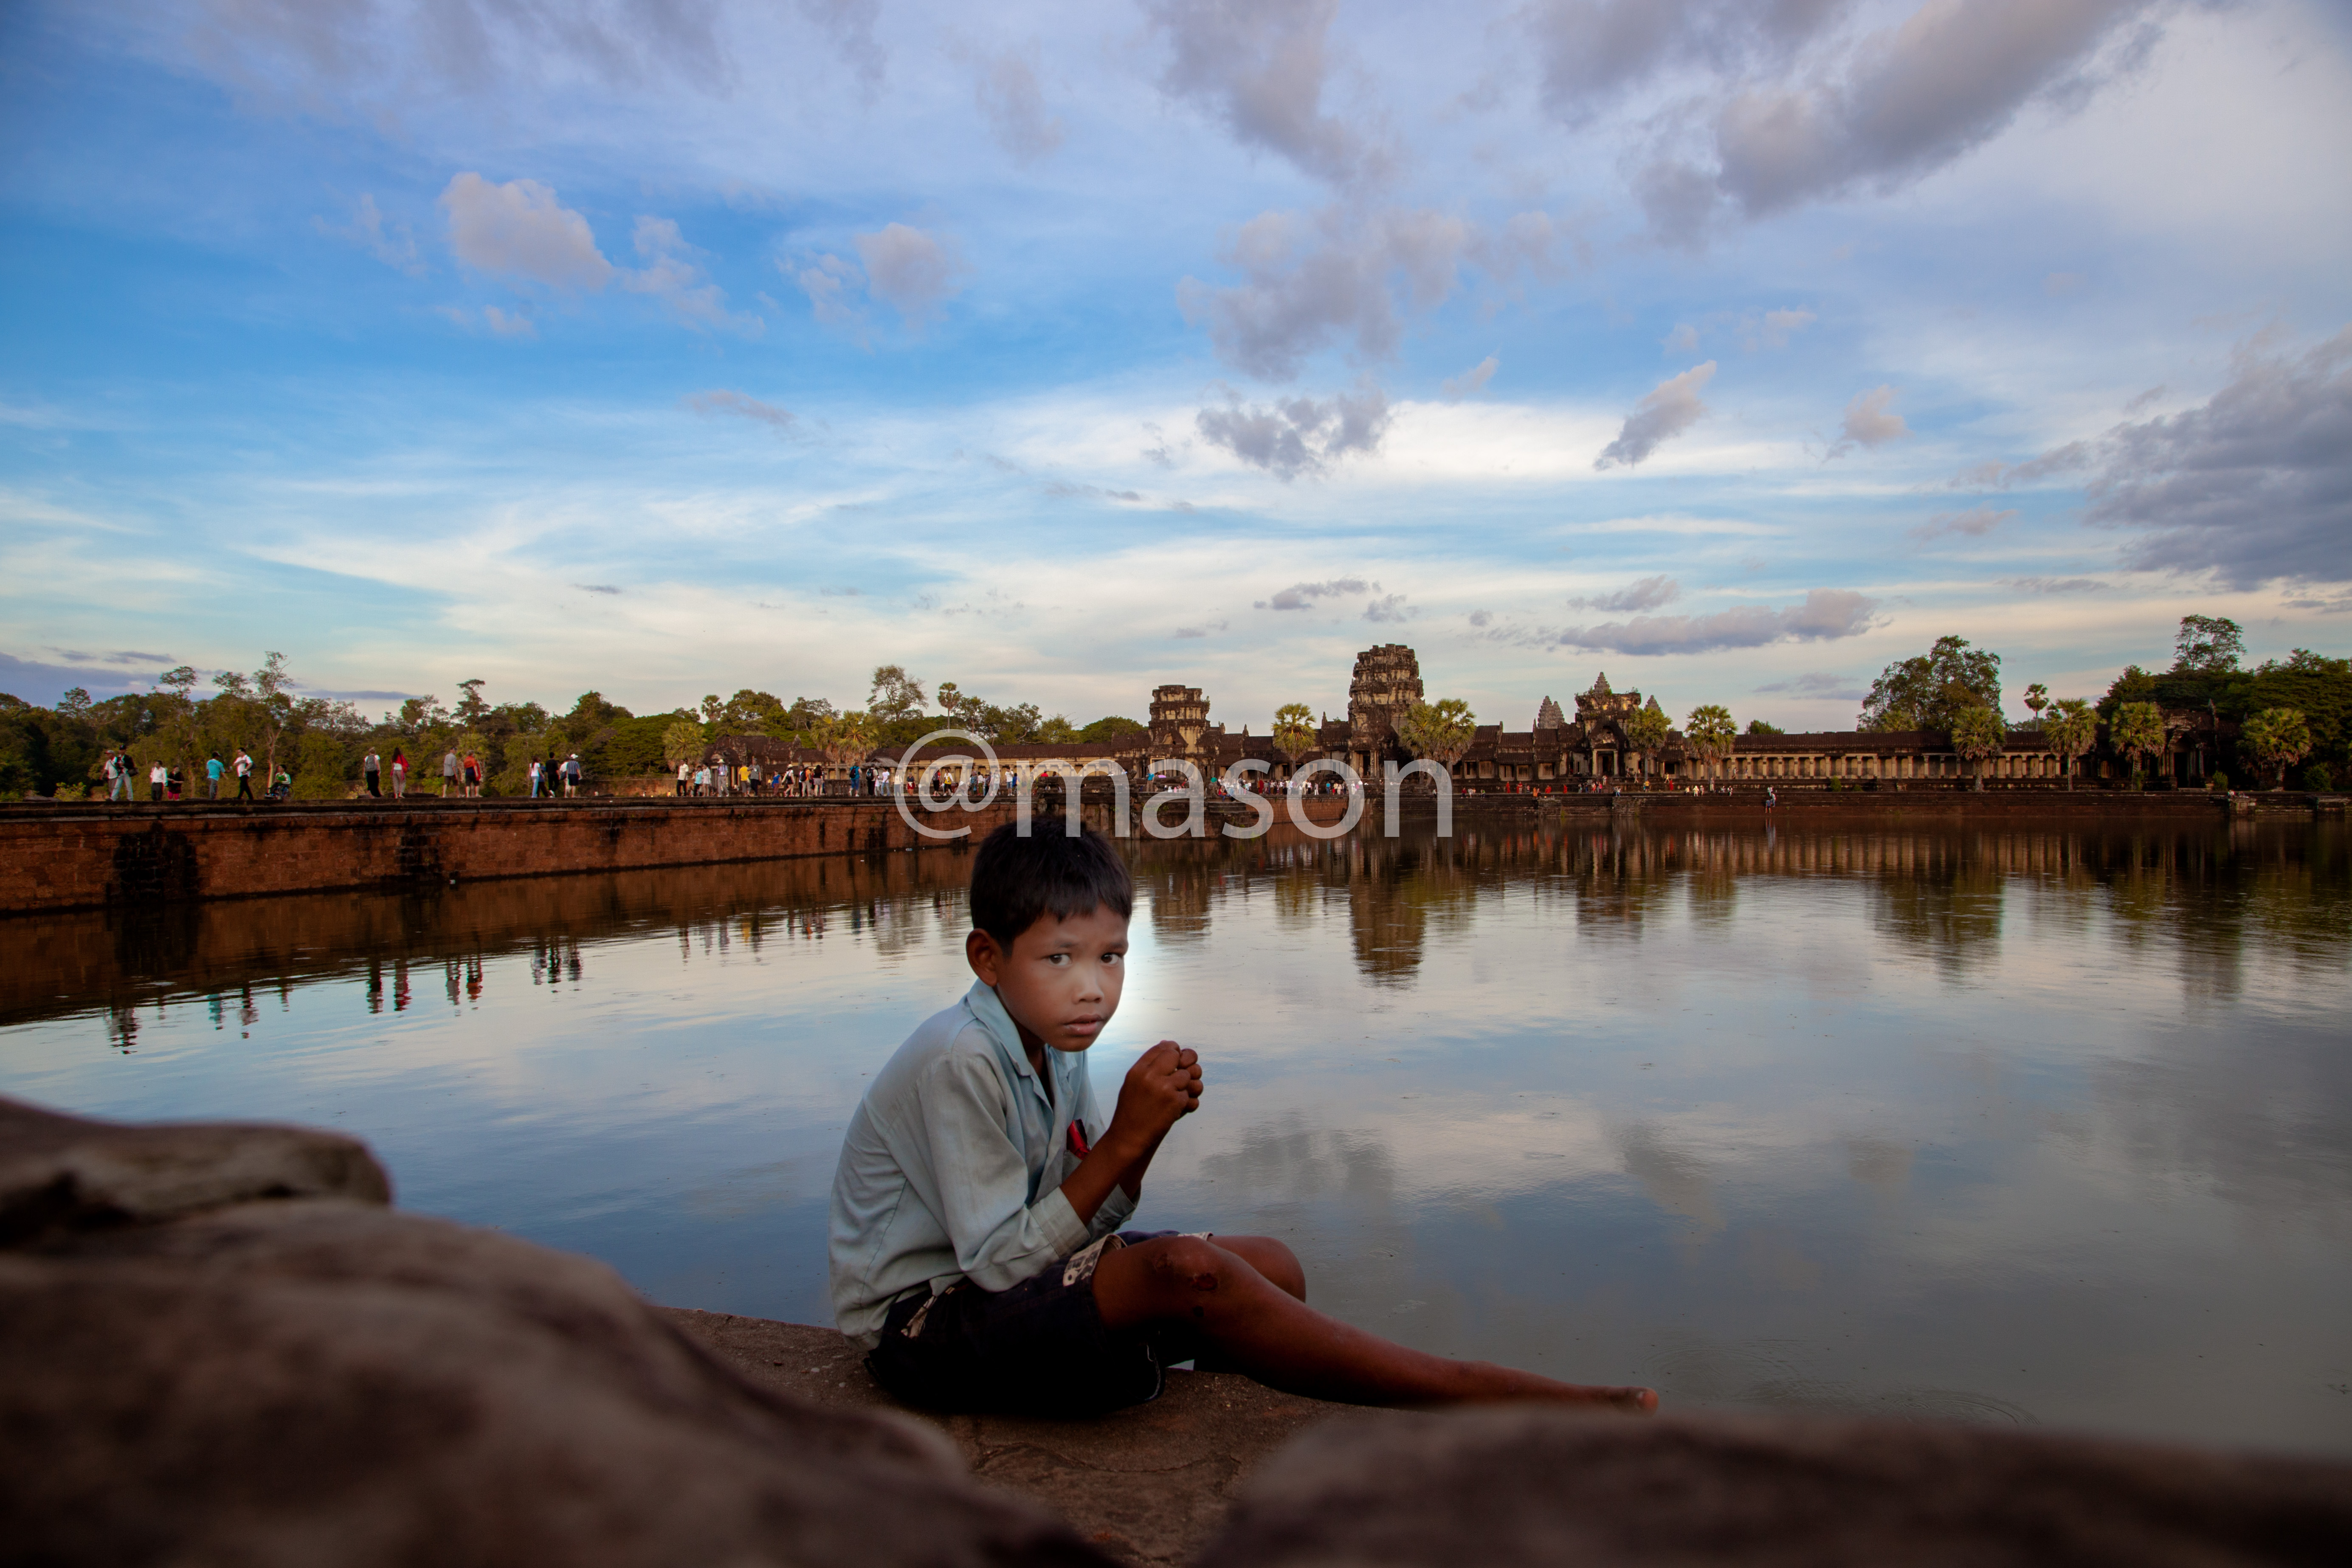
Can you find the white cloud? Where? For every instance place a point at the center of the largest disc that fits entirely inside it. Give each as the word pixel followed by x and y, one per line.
pixel 1672 407
pixel 671 275
pixel 392 243
pixel 1773 329
pixel 1474 380
pixel 1827 614
pixel 1390 610
pixel 1975 523
pixel 1299 435
pixel 1682 340
pixel 519 228
pixel 1646 595
pixel 1870 422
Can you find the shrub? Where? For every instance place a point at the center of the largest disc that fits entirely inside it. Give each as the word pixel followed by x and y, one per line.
pixel 2318 776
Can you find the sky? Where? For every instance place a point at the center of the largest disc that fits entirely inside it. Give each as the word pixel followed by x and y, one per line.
pixel 1735 348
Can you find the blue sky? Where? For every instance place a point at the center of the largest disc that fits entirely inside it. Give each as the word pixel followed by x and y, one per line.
pixel 1736 347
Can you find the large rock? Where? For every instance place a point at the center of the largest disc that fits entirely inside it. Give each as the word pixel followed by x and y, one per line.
pixel 1516 1489
pixel 317 1379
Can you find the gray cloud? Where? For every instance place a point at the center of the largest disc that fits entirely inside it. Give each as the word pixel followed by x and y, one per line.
pixel 1008 95
pixel 390 242
pixel 1065 489
pixel 1819 684
pixel 743 406
pixel 1329 277
pixel 2058 585
pixel 1482 617
pixel 1201 631
pixel 1778 104
pixel 1473 380
pixel 1826 614
pixel 1646 595
pixel 520 230
pixel 1390 609
pixel 908 269
pixel 2254 485
pixel 849 25
pixel 376 57
pixel 1773 329
pixel 583 587
pixel 1261 68
pixel 1302 596
pixel 1975 522
pixel 1300 435
pixel 1992 475
pixel 1672 407
pixel 1869 422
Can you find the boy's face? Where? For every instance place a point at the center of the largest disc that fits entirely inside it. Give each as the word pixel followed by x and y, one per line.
pixel 1061 979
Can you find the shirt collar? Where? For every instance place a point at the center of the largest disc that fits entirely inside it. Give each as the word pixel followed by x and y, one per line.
pixel 989 1009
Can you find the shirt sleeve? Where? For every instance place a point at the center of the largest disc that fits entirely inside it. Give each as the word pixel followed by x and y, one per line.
pixel 1118 1208
pixel 1000 1237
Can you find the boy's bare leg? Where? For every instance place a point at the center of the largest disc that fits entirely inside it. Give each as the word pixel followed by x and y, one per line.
pixel 1272 1334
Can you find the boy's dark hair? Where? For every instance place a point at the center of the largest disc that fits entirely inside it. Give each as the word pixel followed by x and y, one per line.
pixel 1014 879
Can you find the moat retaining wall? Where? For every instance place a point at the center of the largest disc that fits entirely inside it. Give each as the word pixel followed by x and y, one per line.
pixel 96 856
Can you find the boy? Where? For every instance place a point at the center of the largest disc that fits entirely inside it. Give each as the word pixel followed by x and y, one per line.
pixel 975 1247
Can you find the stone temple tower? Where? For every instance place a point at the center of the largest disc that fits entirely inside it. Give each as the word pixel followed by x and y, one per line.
pixel 1549 716
pixel 1386 683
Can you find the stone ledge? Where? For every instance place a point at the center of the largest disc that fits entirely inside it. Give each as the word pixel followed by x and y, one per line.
pixel 1152 1484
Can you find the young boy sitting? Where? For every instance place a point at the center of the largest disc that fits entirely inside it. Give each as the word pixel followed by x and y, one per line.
pixel 976 1250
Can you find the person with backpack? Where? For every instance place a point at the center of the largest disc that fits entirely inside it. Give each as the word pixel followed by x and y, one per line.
pixel 372 769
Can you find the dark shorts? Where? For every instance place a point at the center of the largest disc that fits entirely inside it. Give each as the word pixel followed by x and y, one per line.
pixel 1037 1348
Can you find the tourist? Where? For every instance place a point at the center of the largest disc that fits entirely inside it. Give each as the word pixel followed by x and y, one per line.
pixel 472 766
pixel 118 776
pixel 975 1248
pixel 158 777
pixel 572 775
pixel 372 769
pixel 448 771
pixel 176 783
pixel 399 773
pixel 213 771
pixel 683 774
pixel 548 773
pixel 534 778
pixel 282 786
pixel 243 765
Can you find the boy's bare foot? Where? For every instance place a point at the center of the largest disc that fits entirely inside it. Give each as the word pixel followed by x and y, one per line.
pixel 1261 1326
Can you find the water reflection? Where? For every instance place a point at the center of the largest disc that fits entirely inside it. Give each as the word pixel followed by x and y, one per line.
pixel 2026 1124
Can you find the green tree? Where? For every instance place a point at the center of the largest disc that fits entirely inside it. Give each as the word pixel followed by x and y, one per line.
pixel 1294 732
pixel 1439 730
pixel 2137 731
pixel 1709 733
pixel 1058 731
pixel 681 742
pixel 1107 731
pixel 322 767
pixel 896 694
pixel 2037 698
pixel 1646 732
pixel 2278 737
pixel 1764 727
pixel 470 707
pixel 2210 645
pixel 2072 730
pixel 1928 692
pixel 1976 734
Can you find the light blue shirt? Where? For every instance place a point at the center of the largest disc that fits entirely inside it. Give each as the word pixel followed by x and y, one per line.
pixel 953 1164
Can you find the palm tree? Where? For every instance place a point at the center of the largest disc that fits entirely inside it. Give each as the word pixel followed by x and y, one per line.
pixel 2137 731
pixel 682 742
pixel 2074 731
pixel 1294 732
pixel 2037 698
pixel 1709 732
pixel 1976 733
pixel 1646 732
pixel 1441 731
pixel 2279 737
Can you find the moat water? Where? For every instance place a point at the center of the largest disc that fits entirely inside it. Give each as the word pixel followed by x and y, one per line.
pixel 2032 1124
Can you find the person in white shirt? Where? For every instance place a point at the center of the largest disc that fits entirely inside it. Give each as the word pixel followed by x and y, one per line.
pixel 157 777
pixel 243 765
